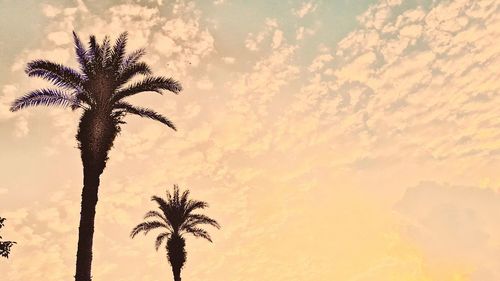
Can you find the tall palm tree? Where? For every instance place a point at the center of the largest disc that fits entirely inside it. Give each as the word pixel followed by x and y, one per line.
pixel 175 219
pixel 5 245
pixel 100 88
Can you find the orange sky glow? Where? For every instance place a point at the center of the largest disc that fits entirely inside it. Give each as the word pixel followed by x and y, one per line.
pixel 333 140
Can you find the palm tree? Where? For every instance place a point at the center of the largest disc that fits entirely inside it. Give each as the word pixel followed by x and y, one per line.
pixel 176 218
pixel 99 88
pixel 5 245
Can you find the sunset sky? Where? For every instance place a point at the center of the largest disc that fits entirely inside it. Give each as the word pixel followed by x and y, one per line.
pixel 352 140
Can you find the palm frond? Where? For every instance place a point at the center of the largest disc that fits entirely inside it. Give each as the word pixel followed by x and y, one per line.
pixel 169 212
pixel 160 238
pixel 46 97
pixel 184 198
pixel 106 52
pixel 175 194
pixel 132 70
pixel 146 227
pixel 162 204
pixel 144 112
pixel 196 219
pixel 55 73
pixel 133 58
pixel 118 52
pixel 93 47
pixel 193 205
pixel 169 195
pixel 81 53
pixel 149 84
pixel 95 55
pixel 155 214
pixel 198 232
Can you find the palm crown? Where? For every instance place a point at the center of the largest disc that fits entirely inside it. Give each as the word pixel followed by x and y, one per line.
pixel 176 218
pixel 102 82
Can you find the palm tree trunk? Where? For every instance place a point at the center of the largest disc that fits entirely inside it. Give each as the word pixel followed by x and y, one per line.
pixel 95 136
pixel 86 229
pixel 176 254
pixel 177 273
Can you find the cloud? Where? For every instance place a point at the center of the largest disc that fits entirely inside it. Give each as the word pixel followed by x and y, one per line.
pixel 56 54
pixel 305 8
pixel 228 60
pixel 183 40
pixel 302 32
pixel 60 38
pixel 277 39
pixel 396 68
pixel 204 84
pixel 9 94
pixel 319 62
pixel 253 41
pixel 158 2
pixel 50 11
pixel 21 127
pixel 289 134
pixel 454 224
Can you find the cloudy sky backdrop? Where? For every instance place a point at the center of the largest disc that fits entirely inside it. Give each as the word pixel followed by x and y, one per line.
pixel 354 140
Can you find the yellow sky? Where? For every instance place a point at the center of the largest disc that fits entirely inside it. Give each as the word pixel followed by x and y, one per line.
pixel 362 147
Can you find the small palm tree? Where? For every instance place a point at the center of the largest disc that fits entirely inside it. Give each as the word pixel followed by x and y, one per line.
pixel 176 218
pixel 99 88
pixel 5 245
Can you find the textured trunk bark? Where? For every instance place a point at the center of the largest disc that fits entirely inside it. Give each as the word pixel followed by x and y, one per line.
pixel 86 229
pixel 95 136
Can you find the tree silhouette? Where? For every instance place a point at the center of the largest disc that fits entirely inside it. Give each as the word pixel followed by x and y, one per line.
pixel 176 219
pixel 5 245
pixel 99 88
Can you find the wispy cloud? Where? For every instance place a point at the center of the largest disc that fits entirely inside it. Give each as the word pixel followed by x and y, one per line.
pixel 305 9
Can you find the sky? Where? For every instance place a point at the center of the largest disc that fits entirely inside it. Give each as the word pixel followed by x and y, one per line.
pixel 333 139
